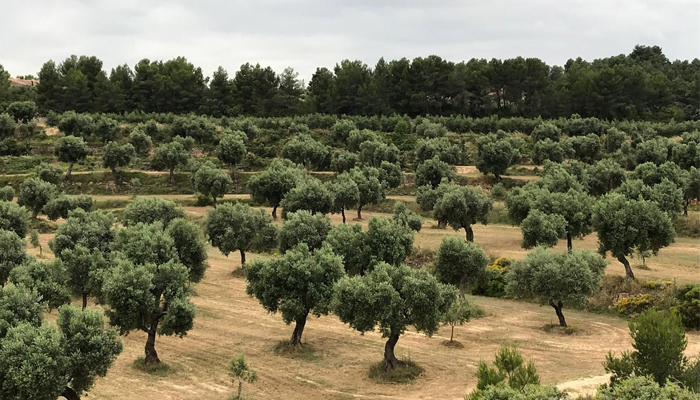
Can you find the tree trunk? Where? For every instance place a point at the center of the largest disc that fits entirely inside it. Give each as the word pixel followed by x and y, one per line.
pixel 234 174
pixel 242 256
pixel 498 177
pixel 151 354
pixel 628 268
pixel 85 296
pixel 172 176
pixel 240 387
pixel 569 245
pixel 359 212
pixel 461 285
pixel 452 333
pixel 70 169
pixel 342 211
pixel 470 233
pixel 390 360
pixel 274 211
pixel 213 200
pixel 557 308
pixel 685 207
pixel 298 331
pixel 70 394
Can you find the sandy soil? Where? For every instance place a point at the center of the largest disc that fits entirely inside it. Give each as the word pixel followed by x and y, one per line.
pixel 229 322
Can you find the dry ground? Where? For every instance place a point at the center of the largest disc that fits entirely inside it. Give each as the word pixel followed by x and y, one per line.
pixel 229 322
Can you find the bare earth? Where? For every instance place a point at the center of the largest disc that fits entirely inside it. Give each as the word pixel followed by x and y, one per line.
pixel 229 322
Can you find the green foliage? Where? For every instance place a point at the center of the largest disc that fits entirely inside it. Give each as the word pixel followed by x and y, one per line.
pixel 655 151
pixel 211 181
pixel 344 161
pixel 7 193
pixel 604 176
pixel 106 129
pixel 239 227
pixel 70 149
pixel 231 149
pixel 18 305
pixel 390 174
pixel 148 210
pixel 115 156
pixel 459 313
pixel 60 206
pixel 407 217
pixel 427 149
pixel 296 284
pixel 304 150
pixel 391 298
pixel 659 342
pixel 625 226
pixel 13 218
pixel 689 305
pixel 239 370
pixel 12 253
pixel 47 279
pixel 643 387
pixel 83 269
pixel 303 227
pixel 371 189
pixel 7 126
pixel 171 155
pixel 374 152
pixel 433 171
pixel 141 142
pixel 34 194
pixel 548 150
pixel 22 111
pixel 428 129
pixel 309 194
pixel 345 193
pixel 273 184
pixel 460 263
pixel 540 229
pixel 586 148
pixel 495 155
pixel 546 130
pixel 74 124
pixel 502 391
pixel 522 379
pixel 463 206
pixel 494 281
pixel 557 279
pixel 92 230
pixel 190 247
pixel 49 173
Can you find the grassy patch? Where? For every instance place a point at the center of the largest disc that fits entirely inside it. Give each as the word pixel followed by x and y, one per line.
pixel 453 344
pixel 688 226
pixel 556 328
pixel 305 352
pixel 407 372
pixel 160 369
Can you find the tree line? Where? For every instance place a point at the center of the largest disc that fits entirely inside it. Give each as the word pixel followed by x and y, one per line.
pixel 644 84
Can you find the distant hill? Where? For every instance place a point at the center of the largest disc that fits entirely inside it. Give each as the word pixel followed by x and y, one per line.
pixel 23 82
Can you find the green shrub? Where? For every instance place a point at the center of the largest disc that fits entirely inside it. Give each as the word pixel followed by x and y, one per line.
pixel 7 193
pixel 634 304
pixel 493 283
pixel 689 305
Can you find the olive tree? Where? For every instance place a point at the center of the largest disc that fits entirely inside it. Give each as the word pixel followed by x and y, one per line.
pixel 309 194
pixel 296 284
pixel 211 181
pixel 625 226
pixel 391 298
pixel 92 230
pixel 232 150
pixel 34 194
pixel 304 227
pixel 12 253
pixel 303 149
pixel 70 149
pixel 433 171
pixel 13 217
pixel 271 185
pixel 604 176
pixel 345 193
pixel 426 149
pixel 239 227
pixel 84 268
pixel 460 263
pixel 495 155
pixel 49 173
pixel 344 161
pixel 461 207
pixel 406 217
pixel 7 193
pixel 60 206
pixel 115 156
pixel 390 174
pixel 371 189
pixel 170 156
pixel 41 361
pixel 147 287
pixel 540 229
pixel 586 148
pixel 47 279
pixel 22 111
pixel 557 278
pixel 574 206
pixel 151 209
pixel 546 130
pixel 141 142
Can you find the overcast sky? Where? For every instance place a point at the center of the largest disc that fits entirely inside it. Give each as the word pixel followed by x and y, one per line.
pixel 305 34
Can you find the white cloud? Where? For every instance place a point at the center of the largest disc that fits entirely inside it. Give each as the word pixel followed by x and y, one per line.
pixel 306 34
